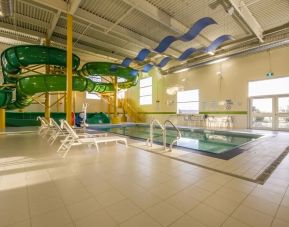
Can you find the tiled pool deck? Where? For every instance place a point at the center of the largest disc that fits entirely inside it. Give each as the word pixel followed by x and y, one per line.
pixel 256 162
pixel 129 187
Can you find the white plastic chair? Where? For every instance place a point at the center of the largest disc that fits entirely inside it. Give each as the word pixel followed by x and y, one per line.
pixel 44 127
pixel 73 139
pixel 58 131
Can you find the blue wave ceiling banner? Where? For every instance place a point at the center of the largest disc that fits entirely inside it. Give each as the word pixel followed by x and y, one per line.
pixel 189 36
pixel 165 43
pixel 217 42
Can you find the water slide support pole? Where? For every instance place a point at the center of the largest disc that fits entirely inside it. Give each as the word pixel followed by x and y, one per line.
pixel 47 96
pixel 2 119
pixel 69 96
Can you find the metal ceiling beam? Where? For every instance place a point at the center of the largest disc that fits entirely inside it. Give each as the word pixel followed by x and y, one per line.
pixel 94 41
pixel 73 6
pixel 22 30
pixel 53 24
pixel 31 20
pixel 80 47
pixel 120 31
pixel 19 38
pixel 248 18
pixel 120 19
pixel 57 5
pixel 164 18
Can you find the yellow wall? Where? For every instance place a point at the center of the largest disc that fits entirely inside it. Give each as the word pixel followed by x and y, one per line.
pixel 233 84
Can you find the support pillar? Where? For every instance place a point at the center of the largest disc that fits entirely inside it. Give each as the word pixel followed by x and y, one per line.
pixel 115 119
pixel 2 119
pixel 69 96
pixel 47 96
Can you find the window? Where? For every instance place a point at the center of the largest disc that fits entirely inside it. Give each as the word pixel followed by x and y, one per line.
pixel 146 91
pixel 276 86
pixel 94 78
pixel 188 102
pixel 121 94
pixel 92 96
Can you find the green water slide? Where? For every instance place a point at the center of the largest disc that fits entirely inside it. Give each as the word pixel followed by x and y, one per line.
pixel 14 59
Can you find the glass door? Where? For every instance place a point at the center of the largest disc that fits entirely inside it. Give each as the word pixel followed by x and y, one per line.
pixel 262 114
pixel 282 113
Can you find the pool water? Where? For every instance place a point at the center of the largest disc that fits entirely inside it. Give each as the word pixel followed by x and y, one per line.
pixel 197 139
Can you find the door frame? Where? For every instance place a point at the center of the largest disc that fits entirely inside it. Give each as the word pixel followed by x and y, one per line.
pixel 275 113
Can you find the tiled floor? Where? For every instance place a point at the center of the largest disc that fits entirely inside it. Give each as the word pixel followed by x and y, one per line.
pixel 128 188
pixel 254 164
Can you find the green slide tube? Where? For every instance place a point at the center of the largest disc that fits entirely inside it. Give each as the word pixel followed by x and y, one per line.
pixel 15 58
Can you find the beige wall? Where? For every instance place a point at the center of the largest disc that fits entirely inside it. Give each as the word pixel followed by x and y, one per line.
pixel 231 84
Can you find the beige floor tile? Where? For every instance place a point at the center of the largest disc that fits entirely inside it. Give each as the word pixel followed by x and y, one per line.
pixel 283 213
pixel 145 199
pixel 240 185
pixel 207 215
pixel 122 210
pixel 231 222
pixel 140 220
pixel 279 223
pixel 232 194
pixel 98 187
pixel 98 218
pixel 74 196
pixel 164 213
pixel 13 213
pixel 83 208
pixel 41 206
pixel 187 221
pixel 163 191
pixel 183 201
pixel 198 193
pixel 252 217
pixel 20 224
pixel 261 205
pixel 109 197
pixel 208 185
pixel 267 195
pixel 56 218
pixel 222 204
pixel 285 201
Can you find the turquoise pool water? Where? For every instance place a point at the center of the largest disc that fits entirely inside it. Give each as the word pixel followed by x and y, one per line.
pixel 197 139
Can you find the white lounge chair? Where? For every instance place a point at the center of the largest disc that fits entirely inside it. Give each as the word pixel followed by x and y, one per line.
pixel 44 127
pixel 73 139
pixel 60 132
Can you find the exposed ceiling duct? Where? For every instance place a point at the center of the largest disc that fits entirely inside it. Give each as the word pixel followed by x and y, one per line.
pixel 6 8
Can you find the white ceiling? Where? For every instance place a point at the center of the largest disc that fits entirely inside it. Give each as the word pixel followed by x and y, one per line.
pixel 115 29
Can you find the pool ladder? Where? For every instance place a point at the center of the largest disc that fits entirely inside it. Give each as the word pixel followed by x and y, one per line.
pixel 163 128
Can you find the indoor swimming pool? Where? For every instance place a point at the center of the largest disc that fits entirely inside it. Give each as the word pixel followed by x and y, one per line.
pixel 211 141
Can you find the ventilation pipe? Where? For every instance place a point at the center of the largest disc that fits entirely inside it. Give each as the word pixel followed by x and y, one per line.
pixel 6 8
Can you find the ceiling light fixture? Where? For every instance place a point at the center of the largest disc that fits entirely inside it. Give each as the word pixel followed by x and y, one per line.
pixel 211 53
pixel 218 61
pixel 181 70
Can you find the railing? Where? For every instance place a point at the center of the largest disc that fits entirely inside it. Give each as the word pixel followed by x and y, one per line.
pixel 164 133
pixel 151 138
pixel 179 136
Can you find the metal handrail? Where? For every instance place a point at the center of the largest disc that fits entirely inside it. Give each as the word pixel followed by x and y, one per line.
pixel 165 134
pixel 151 138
